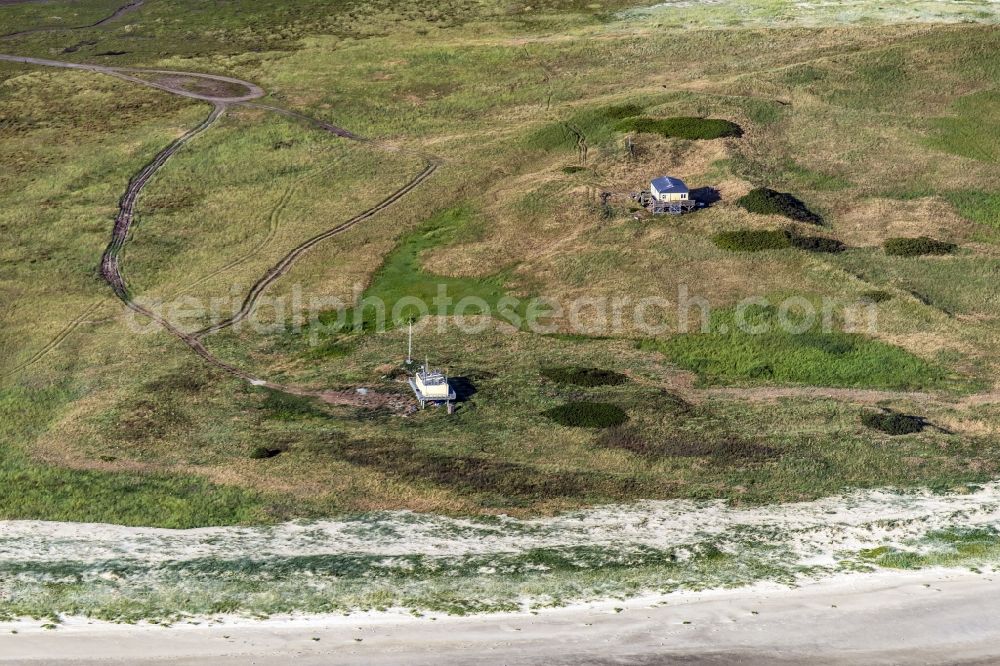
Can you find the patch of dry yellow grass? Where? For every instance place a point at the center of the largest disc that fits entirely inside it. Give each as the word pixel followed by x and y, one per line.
pixel 868 222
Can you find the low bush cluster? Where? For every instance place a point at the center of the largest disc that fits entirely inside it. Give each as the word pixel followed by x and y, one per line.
pixel 753 240
pixel 757 240
pixel 682 127
pixel 876 296
pixel 893 423
pixel 765 201
pixel 915 247
pixel 584 376
pixel 586 414
pixel 817 244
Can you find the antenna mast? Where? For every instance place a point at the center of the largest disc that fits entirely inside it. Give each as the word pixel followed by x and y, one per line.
pixel 409 346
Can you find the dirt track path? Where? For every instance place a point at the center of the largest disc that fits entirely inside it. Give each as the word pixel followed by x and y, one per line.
pixel 110 261
pixel 114 16
pixel 129 74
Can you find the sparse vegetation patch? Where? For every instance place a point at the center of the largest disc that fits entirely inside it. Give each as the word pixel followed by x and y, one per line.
pixel 726 450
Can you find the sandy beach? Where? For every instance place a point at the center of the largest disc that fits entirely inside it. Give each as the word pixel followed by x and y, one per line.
pixel 921 617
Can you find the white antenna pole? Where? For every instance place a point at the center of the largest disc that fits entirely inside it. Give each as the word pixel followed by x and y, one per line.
pixel 409 346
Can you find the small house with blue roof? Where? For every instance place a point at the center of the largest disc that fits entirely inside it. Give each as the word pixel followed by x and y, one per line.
pixel 667 188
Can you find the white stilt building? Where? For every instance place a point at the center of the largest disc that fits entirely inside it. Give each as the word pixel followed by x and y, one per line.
pixel 432 386
pixel 427 384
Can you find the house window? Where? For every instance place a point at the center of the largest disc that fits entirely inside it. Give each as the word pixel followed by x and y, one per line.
pixel 684 196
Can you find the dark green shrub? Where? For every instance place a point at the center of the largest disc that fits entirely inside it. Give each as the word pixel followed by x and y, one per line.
pixel 573 169
pixel 817 244
pixel 893 423
pixel 753 240
pixel 584 376
pixel 766 201
pixel 682 127
pixel 876 296
pixel 585 414
pixel 262 453
pixel 756 240
pixel 915 247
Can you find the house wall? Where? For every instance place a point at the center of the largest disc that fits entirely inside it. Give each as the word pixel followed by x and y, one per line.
pixel 667 196
pixel 670 196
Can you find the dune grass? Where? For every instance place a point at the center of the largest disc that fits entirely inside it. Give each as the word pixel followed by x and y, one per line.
pixel 146 433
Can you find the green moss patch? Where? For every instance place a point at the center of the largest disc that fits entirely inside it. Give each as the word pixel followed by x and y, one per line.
pixel 586 414
pixel 756 347
pixel 765 201
pixel 916 247
pixel 584 376
pixel 682 127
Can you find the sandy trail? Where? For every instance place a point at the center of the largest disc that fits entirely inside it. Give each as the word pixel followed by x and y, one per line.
pixel 928 617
